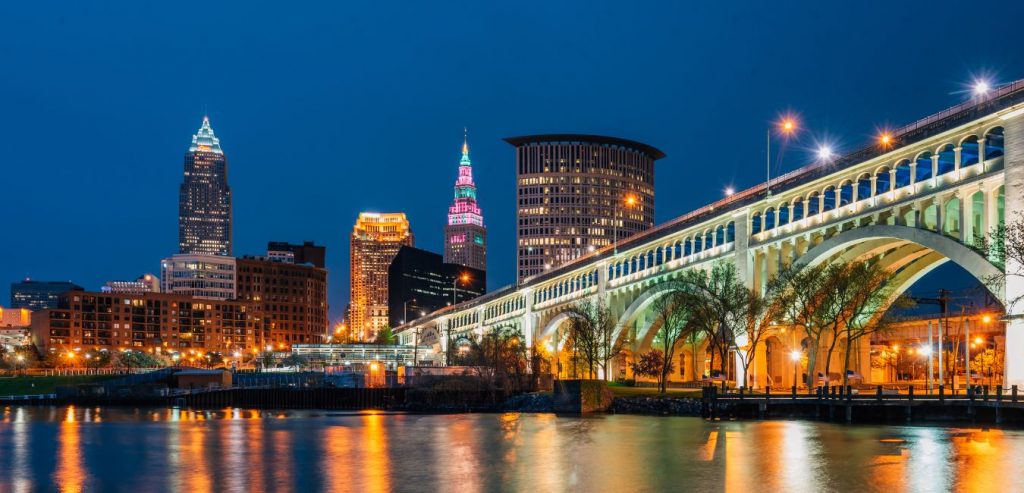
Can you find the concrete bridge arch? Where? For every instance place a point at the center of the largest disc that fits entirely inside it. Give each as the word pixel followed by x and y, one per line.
pixel 865 241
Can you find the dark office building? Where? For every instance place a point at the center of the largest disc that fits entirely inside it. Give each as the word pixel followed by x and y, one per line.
pixel 39 295
pixel 204 200
pixel 306 253
pixel 420 281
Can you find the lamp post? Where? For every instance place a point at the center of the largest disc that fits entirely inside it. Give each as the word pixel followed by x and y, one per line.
pixel 405 310
pixel 630 201
pixel 967 354
pixel 455 285
pixel 786 128
pixel 795 356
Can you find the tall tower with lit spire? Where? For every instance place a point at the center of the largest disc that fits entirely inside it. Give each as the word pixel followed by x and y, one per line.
pixel 465 236
pixel 204 200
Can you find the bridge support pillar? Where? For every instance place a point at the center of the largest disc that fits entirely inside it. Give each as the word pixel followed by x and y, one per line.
pixel 1013 132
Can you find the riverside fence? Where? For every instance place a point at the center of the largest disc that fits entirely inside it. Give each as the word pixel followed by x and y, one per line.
pixel 878 404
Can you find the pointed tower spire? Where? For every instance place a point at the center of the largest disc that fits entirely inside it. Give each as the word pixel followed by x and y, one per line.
pixel 465 234
pixel 204 140
pixel 465 147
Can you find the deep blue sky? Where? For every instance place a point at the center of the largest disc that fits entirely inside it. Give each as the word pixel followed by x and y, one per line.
pixel 324 112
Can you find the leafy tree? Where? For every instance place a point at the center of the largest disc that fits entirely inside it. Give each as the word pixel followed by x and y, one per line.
pixel 296 360
pixel 385 336
pixel 136 359
pixel 97 359
pixel 988 363
pixel 653 364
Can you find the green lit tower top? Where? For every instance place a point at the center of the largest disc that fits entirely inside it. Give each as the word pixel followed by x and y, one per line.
pixel 465 234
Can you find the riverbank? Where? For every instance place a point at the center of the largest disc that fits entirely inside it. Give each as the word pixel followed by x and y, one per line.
pixel 29 385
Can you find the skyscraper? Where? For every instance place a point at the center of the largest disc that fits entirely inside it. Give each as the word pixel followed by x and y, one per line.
pixel 465 236
pixel 204 201
pixel 577 193
pixel 375 241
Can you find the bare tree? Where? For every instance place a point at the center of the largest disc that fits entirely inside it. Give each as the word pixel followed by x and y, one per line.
pixel 700 288
pixel 1005 248
pixel 498 359
pixel 832 301
pixel 754 317
pixel 673 319
pixel 724 309
pixel 801 289
pixel 868 310
pixel 591 327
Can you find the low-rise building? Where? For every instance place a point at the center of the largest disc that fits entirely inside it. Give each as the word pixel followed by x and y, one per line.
pixel 306 253
pixel 164 321
pixel 292 298
pixel 146 283
pixel 14 324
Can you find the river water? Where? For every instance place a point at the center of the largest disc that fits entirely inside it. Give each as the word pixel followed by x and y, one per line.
pixel 69 449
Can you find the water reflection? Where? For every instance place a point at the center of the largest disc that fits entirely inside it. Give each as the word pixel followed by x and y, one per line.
pixel 75 449
pixel 70 474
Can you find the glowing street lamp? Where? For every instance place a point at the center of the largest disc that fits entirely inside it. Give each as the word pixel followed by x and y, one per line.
pixel 795 356
pixel 825 153
pixel 786 128
pixel 981 87
pixel 885 139
pixel 629 200
pixel 729 191
pixel 464 278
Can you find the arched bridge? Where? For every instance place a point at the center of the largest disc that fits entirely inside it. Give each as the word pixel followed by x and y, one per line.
pixel 929 196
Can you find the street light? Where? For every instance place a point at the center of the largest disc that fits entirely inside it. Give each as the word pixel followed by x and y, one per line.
pixel 786 127
pixel 405 309
pixel 795 356
pixel 455 285
pixel 981 87
pixel 825 153
pixel 630 200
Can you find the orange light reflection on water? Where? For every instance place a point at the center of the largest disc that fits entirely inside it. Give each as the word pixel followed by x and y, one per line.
pixel 194 469
pixel 70 475
pixel 376 461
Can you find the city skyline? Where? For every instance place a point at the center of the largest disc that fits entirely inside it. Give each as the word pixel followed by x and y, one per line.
pixel 294 144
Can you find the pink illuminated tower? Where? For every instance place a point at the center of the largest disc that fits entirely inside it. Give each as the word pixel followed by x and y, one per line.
pixel 465 236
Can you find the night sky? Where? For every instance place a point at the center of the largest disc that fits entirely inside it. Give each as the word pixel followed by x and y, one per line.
pixel 324 112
